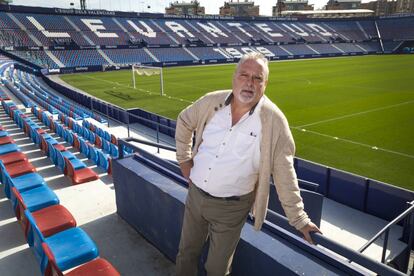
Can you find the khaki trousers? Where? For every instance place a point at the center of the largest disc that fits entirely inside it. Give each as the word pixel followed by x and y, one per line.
pixel 219 219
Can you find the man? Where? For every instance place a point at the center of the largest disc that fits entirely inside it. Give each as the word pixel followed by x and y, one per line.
pixel 242 139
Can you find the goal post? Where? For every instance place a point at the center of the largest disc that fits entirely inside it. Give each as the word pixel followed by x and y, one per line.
pixel 141 72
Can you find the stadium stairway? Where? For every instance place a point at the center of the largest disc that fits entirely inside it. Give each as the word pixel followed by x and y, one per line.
pixel 116 240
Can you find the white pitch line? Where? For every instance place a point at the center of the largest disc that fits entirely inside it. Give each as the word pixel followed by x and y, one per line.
pixel 355 114
pixel 355 143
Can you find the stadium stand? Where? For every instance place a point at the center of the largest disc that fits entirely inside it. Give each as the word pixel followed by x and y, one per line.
pixel 128 56
pixel 72 39
pixel 405 27
pixel 171 54
pixel 73 58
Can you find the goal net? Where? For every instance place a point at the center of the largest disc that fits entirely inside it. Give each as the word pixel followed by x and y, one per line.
pixel 148 79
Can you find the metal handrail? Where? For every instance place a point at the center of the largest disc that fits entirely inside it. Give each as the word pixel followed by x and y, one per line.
pixel 386 230
pixel 280 226
pixel 125 142
pixel 125 111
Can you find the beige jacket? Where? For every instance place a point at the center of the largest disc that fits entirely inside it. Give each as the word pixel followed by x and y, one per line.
pixel 277 150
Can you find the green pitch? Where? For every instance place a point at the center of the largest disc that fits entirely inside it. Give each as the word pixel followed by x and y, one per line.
pixel 352 113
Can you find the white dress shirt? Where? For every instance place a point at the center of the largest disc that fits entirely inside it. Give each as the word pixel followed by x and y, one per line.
pixel 227 162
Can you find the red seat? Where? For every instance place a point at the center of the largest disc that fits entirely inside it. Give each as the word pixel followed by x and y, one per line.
pixel 20 168
pixel 6 140
pixel 49 220
pixel 114 140
pixel 59 147
pixel 53 219
pixel 41 131
pixel 98 141
pixel 80 176
pixel 97 267
pixel 76 143
pixel 13 157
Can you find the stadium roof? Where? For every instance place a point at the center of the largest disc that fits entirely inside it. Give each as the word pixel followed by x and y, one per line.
pixel 356 11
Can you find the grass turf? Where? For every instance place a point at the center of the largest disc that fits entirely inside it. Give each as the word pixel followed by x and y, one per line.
pixel 351 113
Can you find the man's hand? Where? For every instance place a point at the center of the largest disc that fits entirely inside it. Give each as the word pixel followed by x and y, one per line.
pixel 186 168
pixel 310 227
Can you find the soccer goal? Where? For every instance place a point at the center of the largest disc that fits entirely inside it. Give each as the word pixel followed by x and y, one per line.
pixel 148 78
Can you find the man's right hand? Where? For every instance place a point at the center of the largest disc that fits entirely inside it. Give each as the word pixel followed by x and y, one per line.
pixel 186 168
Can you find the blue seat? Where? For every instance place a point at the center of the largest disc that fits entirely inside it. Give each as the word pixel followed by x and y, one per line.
pixel 68 136
pixel 8 148
pixel 107 136
pixel 35 136
pixel 103 160
pixel 3 133
pixel 36 198
pixel 70 247
pixel 91 137
pixel 106 146
pixel 23 183
pixel 32 180
pixel 99 132
pixel 84 147
pixel 77 164
pixel 53 153
pixel 114 151
pixel 93 153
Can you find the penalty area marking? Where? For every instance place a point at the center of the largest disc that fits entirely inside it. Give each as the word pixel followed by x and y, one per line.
pixel 354 142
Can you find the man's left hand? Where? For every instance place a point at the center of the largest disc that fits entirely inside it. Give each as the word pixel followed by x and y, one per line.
pixel 310 227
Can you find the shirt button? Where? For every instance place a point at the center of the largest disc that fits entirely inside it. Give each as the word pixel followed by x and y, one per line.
pixel 216 156
pixel 224 144
pixel 209 169
pixel 205 181
pixel 230 129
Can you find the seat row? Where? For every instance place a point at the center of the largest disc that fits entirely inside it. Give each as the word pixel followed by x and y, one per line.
pixel 65 160
pixel 99 150
pixel 49 228
pixel 109 141
pixel 61 157
pixel 65 106
pixel 26 88
pixel 70 131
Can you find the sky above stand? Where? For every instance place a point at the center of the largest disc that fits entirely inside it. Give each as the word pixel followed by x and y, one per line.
pixel 211 6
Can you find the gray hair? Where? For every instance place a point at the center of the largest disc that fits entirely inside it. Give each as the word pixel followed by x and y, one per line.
pixel 254 56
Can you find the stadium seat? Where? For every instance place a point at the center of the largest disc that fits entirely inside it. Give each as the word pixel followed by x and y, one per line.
pixel 50 220
pixel 8 148
pixel 15 169
pixel 106 146
pixel 93 153
pixel 103 160
pixel 79 176
pixel 75 163
pixel 97 267
pixel 3 133
pixel 23 183
pixel 6 140
pixel 34 199
pixel 84 149
pixel 13 157
pixel 114 151
pixel 70 248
